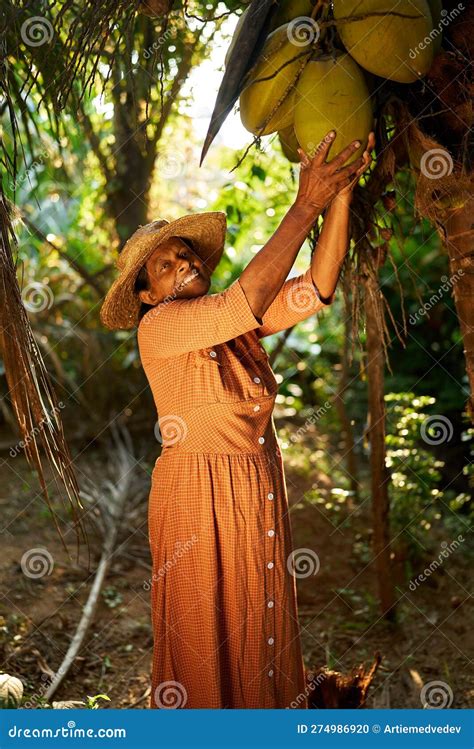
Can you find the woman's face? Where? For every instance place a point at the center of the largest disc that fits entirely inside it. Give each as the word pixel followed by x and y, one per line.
pixel 174 270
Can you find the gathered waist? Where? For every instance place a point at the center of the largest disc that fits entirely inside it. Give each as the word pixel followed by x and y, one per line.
pixel 234 428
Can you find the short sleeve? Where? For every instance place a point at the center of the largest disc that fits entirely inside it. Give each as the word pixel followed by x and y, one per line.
pixel 182 325
pixel 297 300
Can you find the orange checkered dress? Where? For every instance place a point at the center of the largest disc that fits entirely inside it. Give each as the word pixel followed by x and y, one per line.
pixel 223 592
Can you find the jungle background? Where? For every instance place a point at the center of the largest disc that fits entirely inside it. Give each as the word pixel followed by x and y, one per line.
pixel 124 148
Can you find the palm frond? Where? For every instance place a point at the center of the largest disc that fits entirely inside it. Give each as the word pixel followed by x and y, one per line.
pixel 36 407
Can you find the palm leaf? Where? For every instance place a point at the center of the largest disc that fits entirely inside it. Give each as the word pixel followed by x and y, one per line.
pixel 35 405
pixel 251 39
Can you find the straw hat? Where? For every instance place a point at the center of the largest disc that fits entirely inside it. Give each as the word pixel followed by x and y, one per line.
pixel 207 233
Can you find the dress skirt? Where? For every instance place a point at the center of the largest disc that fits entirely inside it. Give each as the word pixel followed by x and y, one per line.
pixel 223 598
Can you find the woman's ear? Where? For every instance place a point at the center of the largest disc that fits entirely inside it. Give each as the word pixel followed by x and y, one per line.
pixel 146 296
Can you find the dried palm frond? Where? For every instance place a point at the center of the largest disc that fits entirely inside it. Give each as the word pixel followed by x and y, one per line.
pixel 36 407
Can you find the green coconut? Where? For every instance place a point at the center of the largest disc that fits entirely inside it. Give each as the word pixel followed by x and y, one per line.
pixel 289 144
pixel 289 10
pixel 332 94
pixel 267 105
pixel 389 46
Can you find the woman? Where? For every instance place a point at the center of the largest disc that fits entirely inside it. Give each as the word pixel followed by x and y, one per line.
pixel 223 596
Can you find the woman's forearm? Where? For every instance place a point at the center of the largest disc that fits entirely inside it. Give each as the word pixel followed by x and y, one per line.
pixel 264 276
pixel 332 246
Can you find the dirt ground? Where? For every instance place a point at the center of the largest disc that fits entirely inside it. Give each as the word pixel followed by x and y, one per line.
pixel 341 625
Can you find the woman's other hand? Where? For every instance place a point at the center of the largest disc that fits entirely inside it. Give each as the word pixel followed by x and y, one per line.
pixel 347 191
pixel 320 180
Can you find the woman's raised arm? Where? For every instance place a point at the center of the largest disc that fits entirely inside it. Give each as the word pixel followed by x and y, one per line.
pixel 319 183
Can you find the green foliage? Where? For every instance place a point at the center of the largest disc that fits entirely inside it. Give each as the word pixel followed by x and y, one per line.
pixel 92 703
pixel 112 597
pixel 416 499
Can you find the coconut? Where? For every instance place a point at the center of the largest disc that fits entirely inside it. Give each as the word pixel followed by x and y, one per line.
pixel 288 10
pixel 332 95
pixel 267 105
pixel 389 46
pixel 289 144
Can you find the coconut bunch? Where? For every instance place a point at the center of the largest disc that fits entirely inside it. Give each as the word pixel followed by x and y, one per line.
pixel 308 79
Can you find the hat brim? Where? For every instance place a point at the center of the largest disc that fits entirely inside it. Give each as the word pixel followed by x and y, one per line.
pixel 121 306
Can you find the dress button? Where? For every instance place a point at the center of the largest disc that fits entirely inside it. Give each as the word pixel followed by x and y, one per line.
pixel 270 673
pixel 256 408
pixel 270 604
pixel 261 440
pixel 270 495
pixel 212 353
pixel 271 532
pixel 270 640
pixel 256 379
pixel 270 565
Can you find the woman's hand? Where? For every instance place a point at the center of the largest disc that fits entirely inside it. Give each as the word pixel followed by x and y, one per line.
pixel 346 192
pixel 320 180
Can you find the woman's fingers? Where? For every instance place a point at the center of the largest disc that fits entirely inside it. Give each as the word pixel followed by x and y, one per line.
pixel 351 169
pixel 322 150
pixel 304 158
pixel 343 155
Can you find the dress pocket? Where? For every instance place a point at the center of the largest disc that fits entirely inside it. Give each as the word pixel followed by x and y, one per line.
pixel 209 377
pixel 224 375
